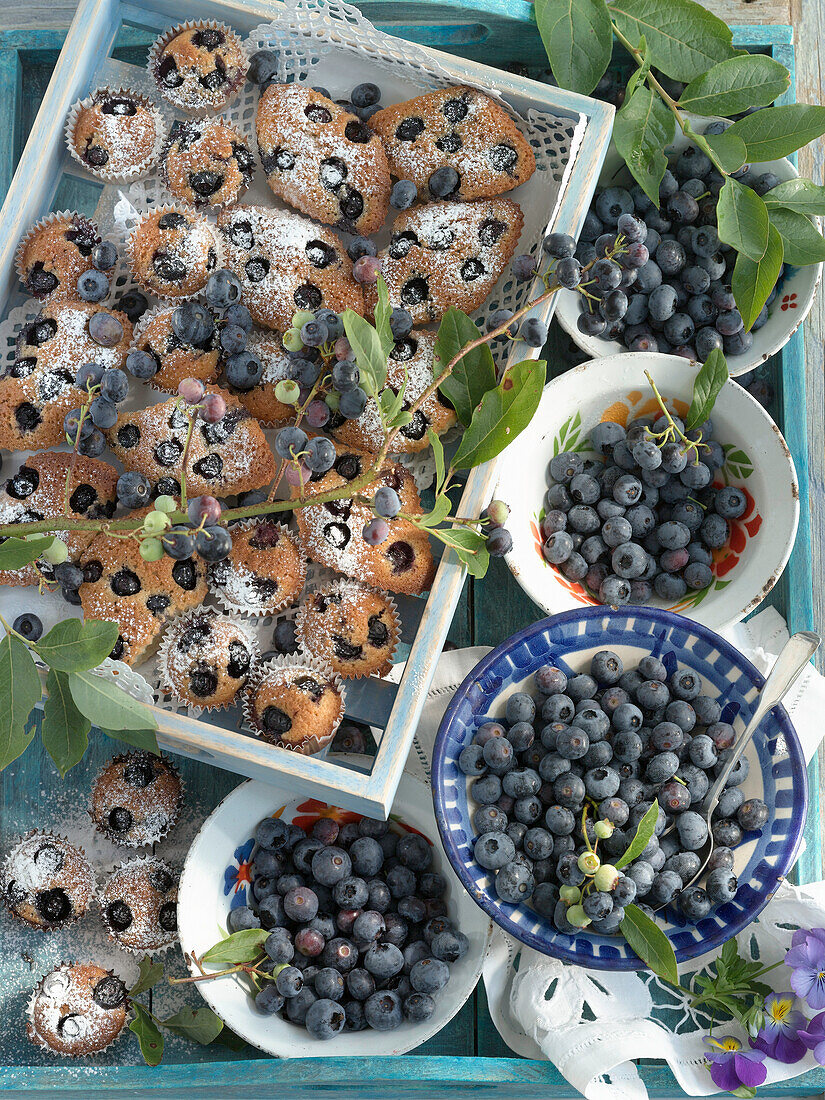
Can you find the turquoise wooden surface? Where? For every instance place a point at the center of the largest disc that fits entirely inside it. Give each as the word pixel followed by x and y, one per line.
pixel 468 1056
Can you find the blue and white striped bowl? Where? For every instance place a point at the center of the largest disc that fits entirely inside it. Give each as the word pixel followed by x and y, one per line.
pixel 777 769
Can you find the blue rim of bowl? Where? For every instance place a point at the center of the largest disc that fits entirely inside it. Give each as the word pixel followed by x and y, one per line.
pixel 631 961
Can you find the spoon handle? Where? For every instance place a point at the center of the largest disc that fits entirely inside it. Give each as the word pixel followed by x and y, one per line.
pixel 795 655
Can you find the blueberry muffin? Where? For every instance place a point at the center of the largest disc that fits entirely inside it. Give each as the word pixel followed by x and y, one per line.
pixel 137 799
pixel 176 359
pixel 331 533
pixel 139 904
pixel 448 254
pixel 409 364
pixel 295 707
pixel 261 401
pixel 321 159
pixel 115 134
pixel 77 1010
pixel 140 596
pixel 38 491
pixel 205 659
pixel 172 253
pixel 460 129
pixel 351 627
pixel 206 162
pixel 231 456
pixel 199 68
pixel 264 572
pixel 55 253
pixel 285 263
pixel 47 882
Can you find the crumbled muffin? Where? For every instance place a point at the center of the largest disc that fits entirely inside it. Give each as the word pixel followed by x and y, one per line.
pixel 294 707
pixel 140 596
pixel 264 572
pixel 351 627
pixel 206 162
pixel 331 533
pixel 285 263
pixel 139 904
pixel 199 68
pixel 137 799
pixel 205 659
pixel 38 491
pixel 172 253
pixel 76 1010
pixel 116 134
pixel 231 456
pixel 46 881
pixel 261 401
pixel 458 128
pixel 409 364
pixel 321 159
pixel 176 359
pixel 448 254
pixel 55 253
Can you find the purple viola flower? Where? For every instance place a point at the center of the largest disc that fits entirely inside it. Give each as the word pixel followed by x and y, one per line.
pixel 731 1066
pixel 806 958
pixel 778 1037
pixel 813 1036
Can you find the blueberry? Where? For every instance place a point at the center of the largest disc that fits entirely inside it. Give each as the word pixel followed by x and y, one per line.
pixel 92 286
pixel 28 626
pixel 383 1010
pixel 612 203
pixel 443 182
pixel 721 885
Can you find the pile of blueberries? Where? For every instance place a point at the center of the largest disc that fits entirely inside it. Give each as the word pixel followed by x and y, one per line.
pixel 359 936
pixel 668 290
pixel 643 519
pixel 106 388
pixel 563 783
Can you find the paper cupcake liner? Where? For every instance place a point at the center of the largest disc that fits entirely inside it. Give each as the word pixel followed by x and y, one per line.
pixel 4 878
pixel 116 838
pixel 348 582
pixel 126 865
pixel 262 613
pixel 189 212
pixel 137 170
pixel 161 681
pixel 313 745
pixel 43 1045
pixel 59 215
pixel 214 207
pixel 162 40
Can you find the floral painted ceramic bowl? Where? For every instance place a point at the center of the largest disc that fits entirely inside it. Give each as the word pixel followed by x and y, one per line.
pixel 793 301
pixel 569 641
pixel 216 878
pixel 615 388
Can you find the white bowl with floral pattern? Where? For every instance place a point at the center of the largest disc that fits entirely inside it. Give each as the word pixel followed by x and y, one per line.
pixel 615 388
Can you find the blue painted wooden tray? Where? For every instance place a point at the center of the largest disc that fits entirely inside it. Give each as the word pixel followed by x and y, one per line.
pixel 468 1055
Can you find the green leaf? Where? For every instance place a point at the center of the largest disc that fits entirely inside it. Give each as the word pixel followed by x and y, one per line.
pixel 729 150
pixel 804 196
pixel 240 947
pixel 20 691
pixel 752 282
pixel 710 379
pixel 150 1039
pixel 503 413
pixel 383 310
pixel 74 646
pixel 199 1024
pixel 438 456
pixel 742 219
pixel 640 841
pixel 473 375
pixel 578 38
pixel 650 943
pixel 107 705
pixel 639 76
pixel 779 131
pixel 469 546
pixel 683 38
pixel 228 1038
pixel 440 511
pixel 368 351
pixel 643 127
pixel 150 974
pixel 15 553
pixel 730 87
pixel 802 241
pixel 64 730
pixel 141 739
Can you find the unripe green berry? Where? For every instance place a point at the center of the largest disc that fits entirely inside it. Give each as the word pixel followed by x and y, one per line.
pixel 165 504
pixel 155 522
pixel 301 317
pixel 604 829
pixel 332 400
pixel 151 549
pixel 570 895
pixel 606 878
pixel 287 391
pixel 577 917
pixel 588 863
pixel 57 553
pixel 497 512
pixel 292 340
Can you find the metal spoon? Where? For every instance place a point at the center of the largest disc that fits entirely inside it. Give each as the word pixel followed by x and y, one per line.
pixel 795 655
